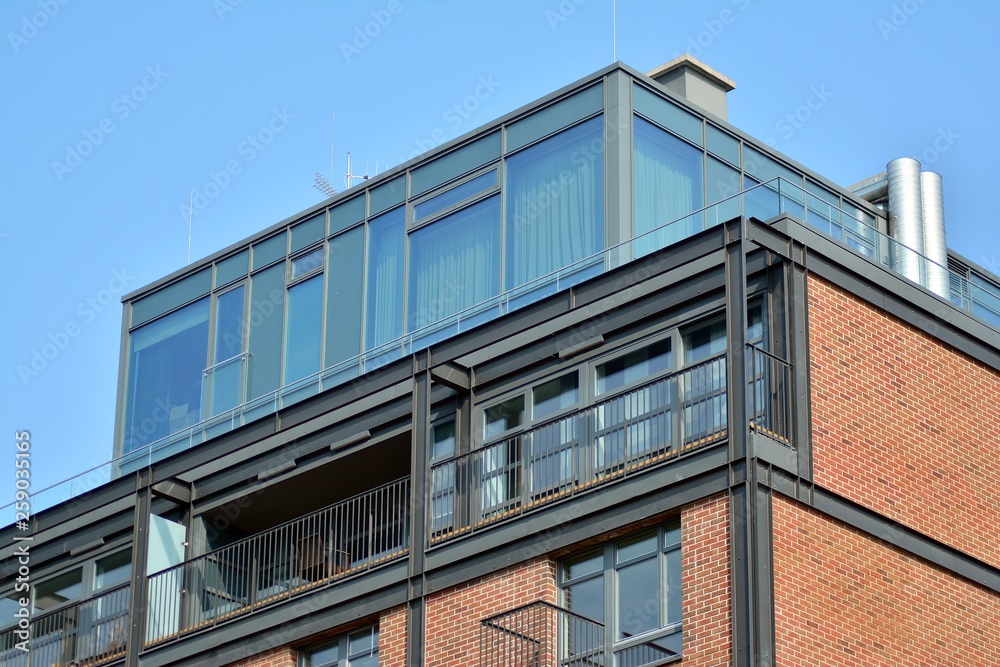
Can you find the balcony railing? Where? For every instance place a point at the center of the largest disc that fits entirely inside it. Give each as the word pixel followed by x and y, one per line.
pixel 769 399
pixel 90 633
pixel 540 634
pixel 617 437
pixel 352 536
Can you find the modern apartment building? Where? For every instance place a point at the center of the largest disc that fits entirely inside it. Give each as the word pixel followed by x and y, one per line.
pixel 605 382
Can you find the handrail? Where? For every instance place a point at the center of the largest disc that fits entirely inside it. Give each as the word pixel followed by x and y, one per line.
pixel 346 538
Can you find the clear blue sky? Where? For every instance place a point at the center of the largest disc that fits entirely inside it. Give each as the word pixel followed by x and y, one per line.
pixel 160 95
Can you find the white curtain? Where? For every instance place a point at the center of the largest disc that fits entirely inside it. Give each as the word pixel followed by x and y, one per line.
pixel 555 200
pixel 668 185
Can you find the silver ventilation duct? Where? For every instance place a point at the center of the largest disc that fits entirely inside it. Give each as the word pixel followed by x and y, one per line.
pixel 906 224
pixel 932 200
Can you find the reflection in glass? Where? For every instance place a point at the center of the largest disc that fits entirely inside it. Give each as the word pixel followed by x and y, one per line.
pixel 166 360
pixel 555 202
pixel 668 186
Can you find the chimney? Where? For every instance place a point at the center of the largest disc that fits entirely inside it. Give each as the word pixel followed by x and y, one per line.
pixel 695 81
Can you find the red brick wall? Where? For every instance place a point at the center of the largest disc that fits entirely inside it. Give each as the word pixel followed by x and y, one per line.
pixel 392 638
pixel 843 598
pixel 279 657
pixel 705 586
pixel 903 424
pixel 453 616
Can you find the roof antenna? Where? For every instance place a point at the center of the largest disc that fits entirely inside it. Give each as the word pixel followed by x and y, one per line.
pixel 356 177
pixel 614 31
pixel 190 215
pixel 320 183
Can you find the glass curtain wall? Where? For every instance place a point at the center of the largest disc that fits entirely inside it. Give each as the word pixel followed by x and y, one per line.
pixel 668 185
pixel 386 240
pixel 555 202
pixel 166 361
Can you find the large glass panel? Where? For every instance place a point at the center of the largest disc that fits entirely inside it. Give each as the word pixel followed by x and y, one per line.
pixel 306 263
pixel 668 186
pixel 267 313
pixel 454 263
pixel 704 341
pixel 347 213
pixel 113 570
pixel 443 476
pixel 555 395
pixel 454 164
pixel 583 566
pixel 587 598
pixel 386 237
pixel 166 360
pixel 269 250
pixel 503 417
pixel 387 195
pixel 985 299
pixel 455 195
pixel 165 299
pixel 305 327
pixel 345 296
pixel 555 203
pixel 724 145
pixel 58 591
pixel 760 201
pixel 555 117
pixel 327 657
pixel 232 268
pixel 633 367
pixel 634 547
pixel 442 441
pixel 667 114
pixel 308 232
pixel 639 598
pixel 723 184
pixel 704 406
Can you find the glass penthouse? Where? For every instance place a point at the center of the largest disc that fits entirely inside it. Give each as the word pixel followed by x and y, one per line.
pixel 604 382
pixel 596 175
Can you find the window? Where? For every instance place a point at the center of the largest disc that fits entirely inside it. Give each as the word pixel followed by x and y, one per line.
pixel 307 263
pixel 304 329
pixel 454 263
pixel 166 360
pixel 442 476
pixel 459 193
pixel 704 406
pixel 631 585
pixel 384 319
pixel 668 186
pixel 225 380
pixel 555 203
pixel 357 649
pixel 58 591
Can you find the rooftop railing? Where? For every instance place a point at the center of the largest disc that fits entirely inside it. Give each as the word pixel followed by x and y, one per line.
pixel 86 634
pixel 618 437
pixel 352 536
pixel 763 201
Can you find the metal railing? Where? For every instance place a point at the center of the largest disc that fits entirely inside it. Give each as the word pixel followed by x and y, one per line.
pixel 540 634
pixel 614 438
pixel 769 399
pixel 86 634
pixel 351 536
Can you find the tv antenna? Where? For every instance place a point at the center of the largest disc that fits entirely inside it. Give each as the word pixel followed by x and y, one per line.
pixel 319 182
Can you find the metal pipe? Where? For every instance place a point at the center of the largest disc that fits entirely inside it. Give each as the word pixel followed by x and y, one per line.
pixel 906 224
pixel 932 197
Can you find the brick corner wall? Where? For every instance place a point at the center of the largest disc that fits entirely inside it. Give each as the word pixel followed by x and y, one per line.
pixel 284 656
pixel 903 424
pixel 705 583
pixel 392 638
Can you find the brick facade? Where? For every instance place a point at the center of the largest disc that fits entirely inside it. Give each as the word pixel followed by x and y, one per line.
pixel 392 638
pixel 278 657
pixel 844 598
pixel 705 585
pixel 903 424
pixel 452 625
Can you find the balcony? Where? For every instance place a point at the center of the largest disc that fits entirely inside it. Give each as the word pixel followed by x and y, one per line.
pixel 86 634
pixel 350 537
pixel 540 634
pixel 616 438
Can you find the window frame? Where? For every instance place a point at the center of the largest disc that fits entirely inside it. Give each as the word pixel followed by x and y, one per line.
pixel 413 224
pixel 343 642
pixel 668 542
